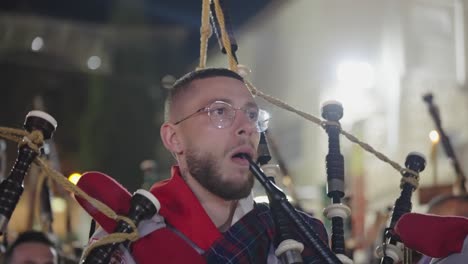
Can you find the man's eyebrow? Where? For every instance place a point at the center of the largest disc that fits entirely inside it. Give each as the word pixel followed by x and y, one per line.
pixel 229 101
pixel 251 104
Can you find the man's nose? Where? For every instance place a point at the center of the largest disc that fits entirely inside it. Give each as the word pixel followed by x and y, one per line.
pixel 244 123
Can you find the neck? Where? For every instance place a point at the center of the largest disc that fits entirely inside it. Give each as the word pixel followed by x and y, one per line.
pixel 219 210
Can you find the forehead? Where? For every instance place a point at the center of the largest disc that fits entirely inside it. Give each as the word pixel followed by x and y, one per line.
pixel 220 88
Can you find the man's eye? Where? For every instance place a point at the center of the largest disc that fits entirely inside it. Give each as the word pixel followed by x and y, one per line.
pixel 252 114
pixel 219 110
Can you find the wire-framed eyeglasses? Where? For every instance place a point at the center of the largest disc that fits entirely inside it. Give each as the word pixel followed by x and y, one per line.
pixel 222 115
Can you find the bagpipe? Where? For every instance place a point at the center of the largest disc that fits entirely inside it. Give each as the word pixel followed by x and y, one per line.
pixel 131 209
pixel 39 126
pixel 35 145
pixel 448 209
pixel 120 213
pixel 337 212
pixel 143 205
pixel 391 249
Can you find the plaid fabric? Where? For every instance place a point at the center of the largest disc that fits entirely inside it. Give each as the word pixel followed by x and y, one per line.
pixel 250 239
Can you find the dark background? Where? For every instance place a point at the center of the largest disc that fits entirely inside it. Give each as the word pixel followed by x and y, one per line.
pixel 108 119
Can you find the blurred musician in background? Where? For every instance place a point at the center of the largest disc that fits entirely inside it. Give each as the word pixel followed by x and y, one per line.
pixel 31 247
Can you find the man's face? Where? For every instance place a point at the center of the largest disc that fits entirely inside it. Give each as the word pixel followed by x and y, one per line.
pixel 33 253
pixel 209 152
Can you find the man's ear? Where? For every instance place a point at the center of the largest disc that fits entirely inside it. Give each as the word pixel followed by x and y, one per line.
pixel 170 138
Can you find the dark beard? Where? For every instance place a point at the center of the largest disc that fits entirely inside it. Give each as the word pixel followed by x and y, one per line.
pixel 206 172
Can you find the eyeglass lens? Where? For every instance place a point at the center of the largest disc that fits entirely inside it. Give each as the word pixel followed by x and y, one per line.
pixel 222 114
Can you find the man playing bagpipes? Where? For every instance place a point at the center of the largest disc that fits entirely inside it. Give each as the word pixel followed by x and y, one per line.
pixel 207 211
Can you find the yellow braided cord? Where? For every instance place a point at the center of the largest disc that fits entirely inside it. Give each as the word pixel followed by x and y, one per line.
pixel 12 134
pixel 34 140
pixel 205 31
pixel 281 104
pixel 103 208
pixel 413 181
pixel 22 137
pixel 65 183
pixel 13 131
pixel 224 36
pixel 322 123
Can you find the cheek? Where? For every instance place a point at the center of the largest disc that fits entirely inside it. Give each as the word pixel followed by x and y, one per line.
pixel 207 141
pixel 255 140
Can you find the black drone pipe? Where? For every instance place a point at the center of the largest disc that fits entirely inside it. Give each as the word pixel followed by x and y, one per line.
pixel 333 111
pixel 311 237
pixel 415 162
pixel 434 112
pixel 284 232
pixel 12 188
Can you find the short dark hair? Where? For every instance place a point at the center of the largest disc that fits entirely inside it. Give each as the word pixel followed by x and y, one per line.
pixel 30 236
pixel 183 83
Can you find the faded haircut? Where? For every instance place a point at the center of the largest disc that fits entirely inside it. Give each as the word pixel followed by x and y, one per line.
pixel 183 84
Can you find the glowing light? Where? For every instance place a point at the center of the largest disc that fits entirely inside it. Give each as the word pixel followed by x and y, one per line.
pixel 355 74
pixel 58 205
pixel 37 44
pixel 434 136
pixel 287 180
pixel 74 177
pixel 354 79
pixel 94 62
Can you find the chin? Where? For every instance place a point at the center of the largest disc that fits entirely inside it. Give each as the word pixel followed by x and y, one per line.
pixel 240 179
pixel 239 176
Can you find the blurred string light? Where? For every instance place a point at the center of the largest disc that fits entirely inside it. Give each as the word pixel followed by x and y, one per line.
pixel 434 136
pixel 37 44
pixel 94 62
pixel 74 177
pixel 58 204
pixel 355 74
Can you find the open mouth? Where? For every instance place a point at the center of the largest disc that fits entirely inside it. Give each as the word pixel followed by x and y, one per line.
pixel 242 158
